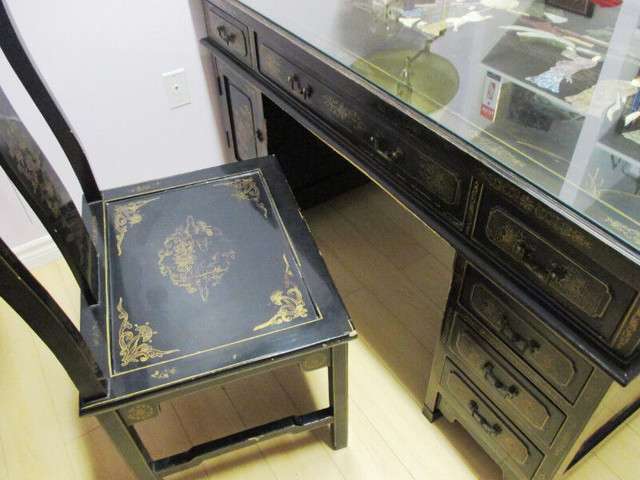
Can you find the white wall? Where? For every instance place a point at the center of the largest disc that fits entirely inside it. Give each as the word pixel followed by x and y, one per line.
pixel 102 61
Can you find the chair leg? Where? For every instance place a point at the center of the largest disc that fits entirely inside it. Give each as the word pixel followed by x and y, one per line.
pixel 128 444
pixel 338 395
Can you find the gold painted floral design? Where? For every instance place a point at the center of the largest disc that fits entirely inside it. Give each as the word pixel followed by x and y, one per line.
pixel 137 413
pixel 31 164
pixel 164 373
pixel 291 304
pixel 126 215
pixel 135 340
pixel 248 190
pixel 192 258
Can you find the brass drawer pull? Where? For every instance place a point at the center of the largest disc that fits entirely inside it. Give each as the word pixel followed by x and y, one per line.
pixel 555 272
pixel 306 92
pixel 392 156
pixel 294 84
pixel 507 392
pixel 515 339
pixel 227 37
pixel 486 426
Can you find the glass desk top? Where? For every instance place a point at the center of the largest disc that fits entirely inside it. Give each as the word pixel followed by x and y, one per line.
pixel 549 90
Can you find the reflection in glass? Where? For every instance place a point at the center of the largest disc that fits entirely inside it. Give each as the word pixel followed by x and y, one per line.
pixel 552 93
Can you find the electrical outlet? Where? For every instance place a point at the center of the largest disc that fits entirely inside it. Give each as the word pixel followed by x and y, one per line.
pixel 175 86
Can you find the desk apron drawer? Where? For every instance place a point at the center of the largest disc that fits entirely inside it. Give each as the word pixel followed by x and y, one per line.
pixel 423 168
pixel 228 32
pixel 339 114
pixel 503 441
pixel 524 334
pixel 588 292
pixel 445 187
pixel 512 393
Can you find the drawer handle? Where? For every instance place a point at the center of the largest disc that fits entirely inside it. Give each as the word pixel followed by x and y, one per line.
pixel 494 429
pixel 507 392
pixel 515 339
pixel 553 273
pixel 224 35
pixel 306 92
pixel 392 156
pixel 294 84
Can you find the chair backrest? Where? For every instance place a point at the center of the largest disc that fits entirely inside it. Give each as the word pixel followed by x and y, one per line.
pixel 32 174
pixel 34 177
pixel 39 310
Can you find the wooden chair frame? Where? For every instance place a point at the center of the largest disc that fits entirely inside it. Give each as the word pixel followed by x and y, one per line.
pixel 101 393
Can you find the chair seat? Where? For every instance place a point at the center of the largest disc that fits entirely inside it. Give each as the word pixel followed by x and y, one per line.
pixel 227 245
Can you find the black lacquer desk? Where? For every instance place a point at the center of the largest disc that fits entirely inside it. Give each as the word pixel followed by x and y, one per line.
pixel 511 129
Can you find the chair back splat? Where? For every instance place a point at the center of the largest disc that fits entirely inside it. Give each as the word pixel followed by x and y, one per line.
pixel 36 180
pixel 34 304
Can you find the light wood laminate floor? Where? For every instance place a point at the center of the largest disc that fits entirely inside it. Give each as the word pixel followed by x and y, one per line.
pixel 393 274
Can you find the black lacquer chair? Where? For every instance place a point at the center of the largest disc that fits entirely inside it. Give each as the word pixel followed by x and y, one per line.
pixel 187 282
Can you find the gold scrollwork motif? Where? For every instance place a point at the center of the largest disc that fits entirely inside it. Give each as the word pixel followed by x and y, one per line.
pixel 137 413
pixel 474 197
pixel 126 215
pixel 269 61
pixel 30 163
pixel 497 314
pixel 340 112
pixel 551 219
pixel 438 180
pixel 291 304
pixel 243 123
pixel 164 373
pixel 631 328
pixel 489 308
pixel 190 258
pixel 314 362
pixel 246 189
pixel 94 230
pixel 573 282
pixel 135 340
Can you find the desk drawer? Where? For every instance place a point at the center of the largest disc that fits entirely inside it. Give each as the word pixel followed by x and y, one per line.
pixel 424 169
pixel 525 335
pixel 290 77
pixel 416 166
pixel 508 389
pixel 228 32
pixel 585 290
pixel 496 434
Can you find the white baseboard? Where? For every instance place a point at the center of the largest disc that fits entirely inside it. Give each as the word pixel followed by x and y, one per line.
pixel 38 252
